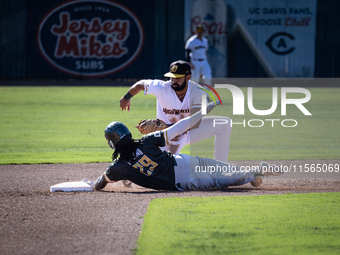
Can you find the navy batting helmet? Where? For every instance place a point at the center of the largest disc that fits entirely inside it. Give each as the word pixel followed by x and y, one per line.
pixel 116 133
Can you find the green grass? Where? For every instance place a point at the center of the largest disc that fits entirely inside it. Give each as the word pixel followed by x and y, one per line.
pixel 63 124
pixel 66 124
pixel 269 224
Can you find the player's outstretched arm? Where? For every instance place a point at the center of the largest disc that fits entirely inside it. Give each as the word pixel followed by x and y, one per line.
pixel 125 101
pixel 186 123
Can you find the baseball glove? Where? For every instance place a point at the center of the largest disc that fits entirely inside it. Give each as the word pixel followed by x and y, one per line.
pixel 150 125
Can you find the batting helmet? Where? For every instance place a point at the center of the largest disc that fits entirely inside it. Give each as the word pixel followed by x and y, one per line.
pixel 116 133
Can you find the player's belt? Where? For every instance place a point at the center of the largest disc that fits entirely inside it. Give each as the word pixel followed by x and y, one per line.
pixel 199 59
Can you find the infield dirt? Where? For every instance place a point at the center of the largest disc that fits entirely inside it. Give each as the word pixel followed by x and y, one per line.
pixel 35 221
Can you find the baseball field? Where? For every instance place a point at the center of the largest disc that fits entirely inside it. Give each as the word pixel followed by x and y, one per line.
pixel 55 134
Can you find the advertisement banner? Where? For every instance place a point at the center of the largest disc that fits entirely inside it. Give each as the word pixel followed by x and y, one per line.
pixel 280 35
pixel 90 38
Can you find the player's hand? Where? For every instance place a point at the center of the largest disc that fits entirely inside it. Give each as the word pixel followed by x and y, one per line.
pixel 192 66
pixel 124 104
pixel 212 105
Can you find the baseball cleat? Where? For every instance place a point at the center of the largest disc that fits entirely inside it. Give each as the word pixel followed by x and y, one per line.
pixel 257 182
pixel 266 169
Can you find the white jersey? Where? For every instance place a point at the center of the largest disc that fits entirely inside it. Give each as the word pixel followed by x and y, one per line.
pixel 169 108
pixel 197 47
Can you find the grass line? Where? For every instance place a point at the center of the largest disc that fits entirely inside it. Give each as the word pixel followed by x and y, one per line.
pixel 269 224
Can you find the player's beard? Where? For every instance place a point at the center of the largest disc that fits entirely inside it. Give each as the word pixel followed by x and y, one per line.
pixel 179 87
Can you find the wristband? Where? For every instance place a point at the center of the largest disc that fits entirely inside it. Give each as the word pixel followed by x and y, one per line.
pixel 128 96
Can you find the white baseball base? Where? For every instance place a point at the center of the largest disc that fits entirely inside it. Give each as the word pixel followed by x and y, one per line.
pixel 72 186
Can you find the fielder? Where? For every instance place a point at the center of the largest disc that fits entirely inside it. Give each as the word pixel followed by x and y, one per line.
pixel 144 163
pixel 196 48
pixel 176 100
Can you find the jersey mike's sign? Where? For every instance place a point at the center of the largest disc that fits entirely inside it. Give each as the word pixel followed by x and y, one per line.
pixel 90 38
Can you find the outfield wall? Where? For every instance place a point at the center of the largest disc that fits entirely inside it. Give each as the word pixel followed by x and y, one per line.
pixel 119 40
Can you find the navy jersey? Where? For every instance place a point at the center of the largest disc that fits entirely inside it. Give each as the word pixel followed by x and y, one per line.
pixel 151 168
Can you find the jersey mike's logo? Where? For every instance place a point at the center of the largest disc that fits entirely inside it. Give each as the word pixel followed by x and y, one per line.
pixel 90 38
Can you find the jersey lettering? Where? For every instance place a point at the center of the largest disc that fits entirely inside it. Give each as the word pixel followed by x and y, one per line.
pixel 175 111
pixel 145 165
